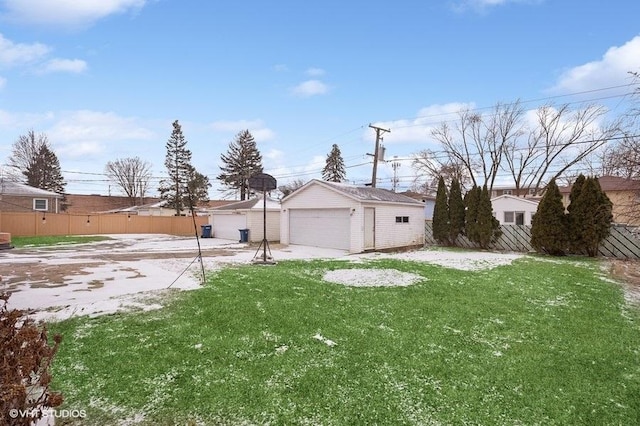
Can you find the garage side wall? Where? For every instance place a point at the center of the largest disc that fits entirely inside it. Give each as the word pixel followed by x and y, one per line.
pixel 256 227
pixel 392 234
pixel 317 197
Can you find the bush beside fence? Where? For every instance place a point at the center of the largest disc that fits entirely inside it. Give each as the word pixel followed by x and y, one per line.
pixel 622 242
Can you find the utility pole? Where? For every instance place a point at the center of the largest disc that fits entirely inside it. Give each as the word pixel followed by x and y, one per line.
pixel 379 132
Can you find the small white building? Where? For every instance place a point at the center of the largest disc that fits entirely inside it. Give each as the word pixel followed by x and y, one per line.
pixel 510 210
pixel 346 217
pixel 227 220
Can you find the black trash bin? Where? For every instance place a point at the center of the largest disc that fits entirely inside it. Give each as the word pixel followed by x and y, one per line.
pixel 206 231
pixel 244 235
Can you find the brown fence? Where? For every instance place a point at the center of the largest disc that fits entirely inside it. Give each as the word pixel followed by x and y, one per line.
pixel 622 242
pixel 33 224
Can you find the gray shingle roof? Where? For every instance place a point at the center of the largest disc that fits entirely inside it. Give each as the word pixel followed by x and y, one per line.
pixel 20 189
pixel 365 193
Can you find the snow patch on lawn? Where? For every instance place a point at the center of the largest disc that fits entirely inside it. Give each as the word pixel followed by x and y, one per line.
pixel 372 277
pixel 464 260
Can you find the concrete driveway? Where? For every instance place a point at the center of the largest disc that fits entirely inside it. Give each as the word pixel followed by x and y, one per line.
pixel 127 272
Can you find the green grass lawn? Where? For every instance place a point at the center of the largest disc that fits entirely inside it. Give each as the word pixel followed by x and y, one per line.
pixel 535 342
pixel 53 240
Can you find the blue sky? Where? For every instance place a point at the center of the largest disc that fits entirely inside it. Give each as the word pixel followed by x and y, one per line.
pixel 105 79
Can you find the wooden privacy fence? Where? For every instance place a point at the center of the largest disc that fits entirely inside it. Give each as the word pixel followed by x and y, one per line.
pixel 35 224
pixel 622 242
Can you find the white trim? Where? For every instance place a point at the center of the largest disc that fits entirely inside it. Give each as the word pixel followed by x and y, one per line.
pixel 46 204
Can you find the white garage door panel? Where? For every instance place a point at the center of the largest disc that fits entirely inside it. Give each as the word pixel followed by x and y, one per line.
pixel 327 228
pixel 226 226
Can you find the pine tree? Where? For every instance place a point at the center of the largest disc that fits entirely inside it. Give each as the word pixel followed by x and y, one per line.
pixel 549 227
pixel 178 163
pixel 33 157
pixel 456 211
pixel 592 215
pixel 441 215
pixel 471 201
pixel 334 170
pixel 241 161
pixel 576 244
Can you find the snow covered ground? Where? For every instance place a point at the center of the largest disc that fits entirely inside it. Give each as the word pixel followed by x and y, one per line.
pixel 136 271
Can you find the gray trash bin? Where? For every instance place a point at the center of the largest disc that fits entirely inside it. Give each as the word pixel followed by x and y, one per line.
pixel 244 235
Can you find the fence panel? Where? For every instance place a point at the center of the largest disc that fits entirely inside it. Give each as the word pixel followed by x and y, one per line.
pixel 33 224
pixel 621 243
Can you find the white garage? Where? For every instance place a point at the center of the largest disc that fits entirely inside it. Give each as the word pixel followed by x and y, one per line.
pixel 351 218
pixel 227 220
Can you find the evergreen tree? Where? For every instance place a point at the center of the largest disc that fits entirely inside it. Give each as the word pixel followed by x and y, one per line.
pixel 33 157
pixel 487 226
pixel 334 170
pixel 198 188
pixel 441 215
pixel 456 211
pixel 471 201
pixel 549 227
pixel 592 215
pixel 241 161
pixel 576 244
pixel 178 163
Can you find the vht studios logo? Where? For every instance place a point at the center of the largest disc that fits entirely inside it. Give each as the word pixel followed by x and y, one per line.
pixel 34 413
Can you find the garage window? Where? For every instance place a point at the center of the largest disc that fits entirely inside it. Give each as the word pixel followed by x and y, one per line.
pixel 402 219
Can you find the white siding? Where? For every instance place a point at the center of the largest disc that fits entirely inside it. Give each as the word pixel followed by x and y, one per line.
pixel 390 234
pixel 507 203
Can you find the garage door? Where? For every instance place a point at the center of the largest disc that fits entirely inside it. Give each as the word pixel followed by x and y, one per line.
pixel 226 226
pixel 320 228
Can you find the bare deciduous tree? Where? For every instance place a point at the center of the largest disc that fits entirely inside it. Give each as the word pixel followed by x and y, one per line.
pixel 479 143
pixel 131 175
pixel 429 166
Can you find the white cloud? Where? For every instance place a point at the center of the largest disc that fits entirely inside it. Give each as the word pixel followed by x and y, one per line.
pixel 67 12
pixel 310 88
pixel 82 133
pixel 418 129
pixel 315 72
pixel 256 127
pixel 64 65
pixel 19 53
pixel 612 69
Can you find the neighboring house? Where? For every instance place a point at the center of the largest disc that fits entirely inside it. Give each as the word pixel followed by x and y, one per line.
pixel 227 220
pixel 497 191
pixel 511 210
pixel 429 202
pixel 356 219
pixel 18 197
pixel 624 195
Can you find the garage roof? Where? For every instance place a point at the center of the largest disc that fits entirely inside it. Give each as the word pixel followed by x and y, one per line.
pixel 252 204
pixel 363 193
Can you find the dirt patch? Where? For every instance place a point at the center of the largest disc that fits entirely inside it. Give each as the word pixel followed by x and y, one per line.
pixel 627 272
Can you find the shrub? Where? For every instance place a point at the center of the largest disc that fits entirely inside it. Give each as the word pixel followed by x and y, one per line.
pixel 456 211
pixel 441 215
pixel 25 359
pixel 549 231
